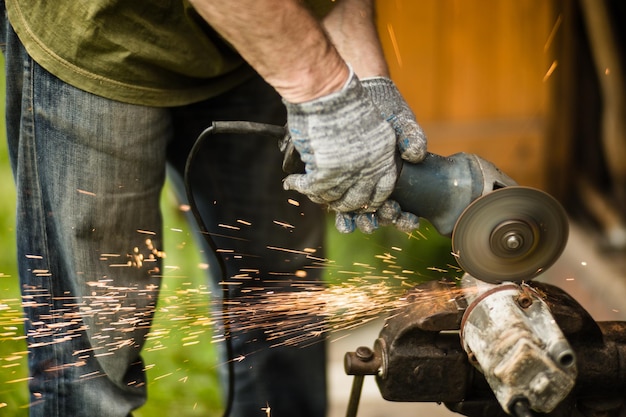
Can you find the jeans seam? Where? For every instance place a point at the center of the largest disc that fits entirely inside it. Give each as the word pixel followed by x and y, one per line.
pixel 29 130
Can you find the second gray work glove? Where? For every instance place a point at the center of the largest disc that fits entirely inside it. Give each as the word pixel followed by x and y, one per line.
pixel 348 150
pixel 393 108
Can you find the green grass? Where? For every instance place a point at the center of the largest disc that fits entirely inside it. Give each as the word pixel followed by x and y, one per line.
pixel 179 355
pixel 13 395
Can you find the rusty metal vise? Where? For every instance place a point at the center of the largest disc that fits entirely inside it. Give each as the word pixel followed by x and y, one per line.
pixel 420 356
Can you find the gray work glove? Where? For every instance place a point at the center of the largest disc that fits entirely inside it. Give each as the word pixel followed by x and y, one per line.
pixel 409 135
pixel 411 142
pixel 348 150
pixel 349 154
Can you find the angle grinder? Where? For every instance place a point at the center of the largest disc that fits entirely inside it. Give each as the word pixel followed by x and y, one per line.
pixel 500 231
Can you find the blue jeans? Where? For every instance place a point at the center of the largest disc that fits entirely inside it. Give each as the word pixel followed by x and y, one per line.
pixel 89 172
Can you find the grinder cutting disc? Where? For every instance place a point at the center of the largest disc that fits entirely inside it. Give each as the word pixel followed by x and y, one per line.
pixel 510 234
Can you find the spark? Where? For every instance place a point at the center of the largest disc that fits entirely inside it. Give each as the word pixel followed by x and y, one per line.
pixel 89 193
pixel 293 202
pixel 289 309
pixel 550 71
pixel 394 42
pixel 287 250
pixel 227 226
pixel 555 28
pixel 146 232
pixel 19 380
pixel 420 234
pixel 285 225
pixel 267 409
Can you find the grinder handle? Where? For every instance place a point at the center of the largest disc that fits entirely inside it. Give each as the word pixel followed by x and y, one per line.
pixel 439 188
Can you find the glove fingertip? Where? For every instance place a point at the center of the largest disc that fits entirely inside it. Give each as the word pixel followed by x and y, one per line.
pixel 367 222
pixel 344 223
pixel 407 222
pixel 389 211
pixel 412 149
pixel 295 182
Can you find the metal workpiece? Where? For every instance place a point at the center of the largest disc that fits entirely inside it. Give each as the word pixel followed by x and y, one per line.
pixel 440 187
pixel 511 336
pixel 419 355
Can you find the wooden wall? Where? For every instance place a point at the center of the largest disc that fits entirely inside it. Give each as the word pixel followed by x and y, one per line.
pixel 477 75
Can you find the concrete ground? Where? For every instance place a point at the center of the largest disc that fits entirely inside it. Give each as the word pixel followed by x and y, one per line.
pixel 596 280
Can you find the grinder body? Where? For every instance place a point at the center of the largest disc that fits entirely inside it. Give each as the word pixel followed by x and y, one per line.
pixel 440 188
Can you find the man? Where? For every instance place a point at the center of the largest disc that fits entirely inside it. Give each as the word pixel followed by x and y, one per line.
pixel 102 94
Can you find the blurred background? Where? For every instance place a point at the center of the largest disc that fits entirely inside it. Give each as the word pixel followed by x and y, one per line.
pixel 535 86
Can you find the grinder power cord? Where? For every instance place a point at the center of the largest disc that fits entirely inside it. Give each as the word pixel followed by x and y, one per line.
pixel 217 128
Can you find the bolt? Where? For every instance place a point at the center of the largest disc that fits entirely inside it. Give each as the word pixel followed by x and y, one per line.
pixel 524 300
pixel 513 241
pixel 364 354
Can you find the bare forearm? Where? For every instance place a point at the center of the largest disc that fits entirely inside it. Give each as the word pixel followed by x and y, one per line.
pixel 282 42
pixel 351 27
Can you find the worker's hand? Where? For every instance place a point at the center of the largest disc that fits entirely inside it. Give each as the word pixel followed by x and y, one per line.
pixel 409 135
pixel 348 150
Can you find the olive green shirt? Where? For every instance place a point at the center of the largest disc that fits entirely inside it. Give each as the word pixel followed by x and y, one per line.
pixel 148 52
